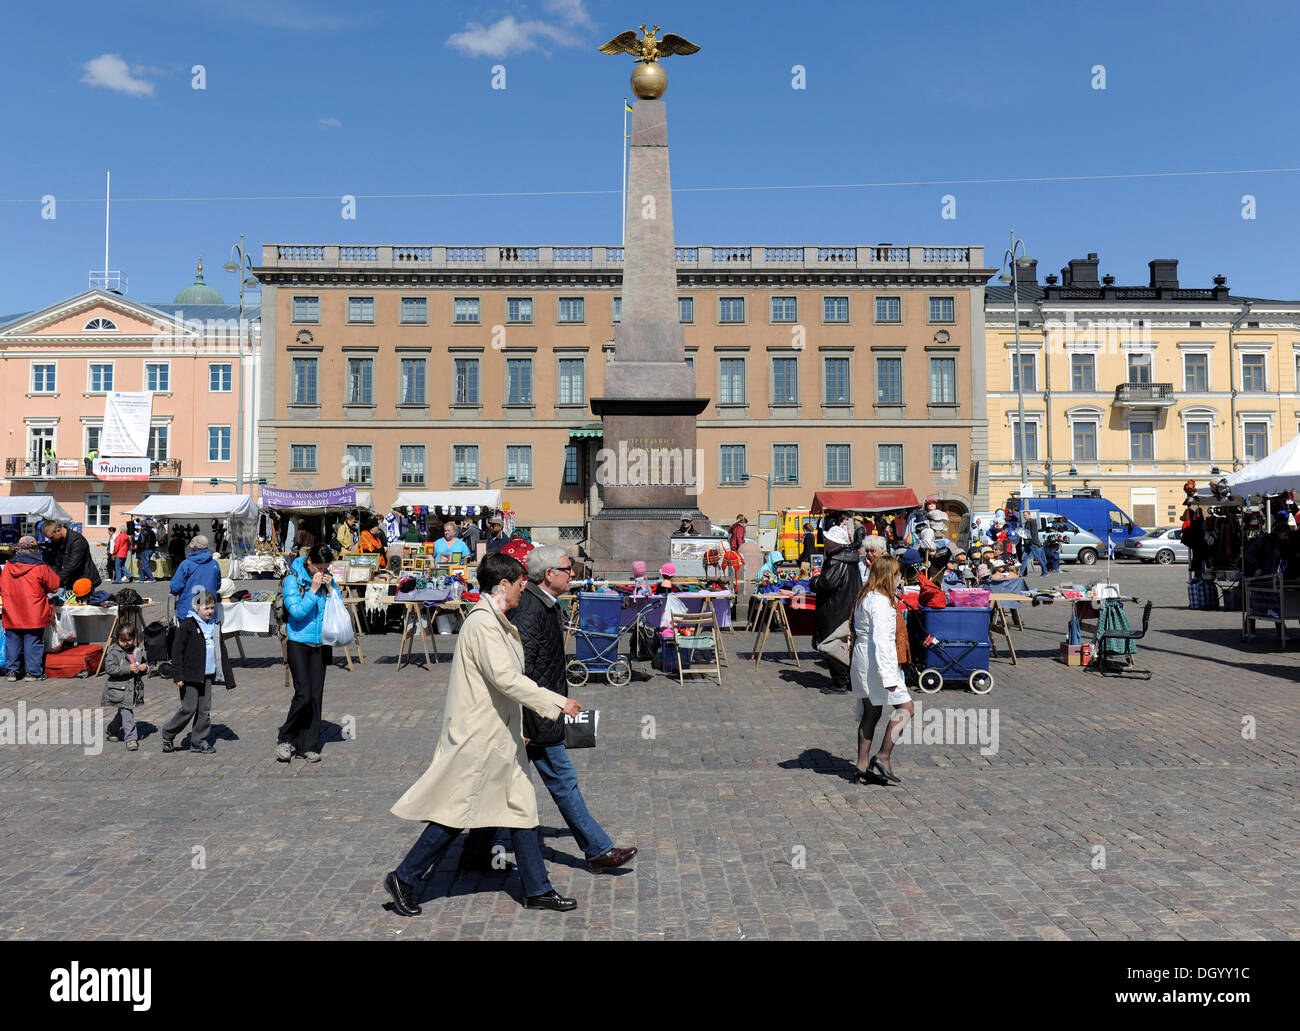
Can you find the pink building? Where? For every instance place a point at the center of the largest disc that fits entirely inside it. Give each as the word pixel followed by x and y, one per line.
pixel 58 365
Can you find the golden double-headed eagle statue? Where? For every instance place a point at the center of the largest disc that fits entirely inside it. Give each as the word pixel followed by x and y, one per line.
pixel 649 80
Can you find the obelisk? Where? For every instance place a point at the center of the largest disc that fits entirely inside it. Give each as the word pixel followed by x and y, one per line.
pixel 648 467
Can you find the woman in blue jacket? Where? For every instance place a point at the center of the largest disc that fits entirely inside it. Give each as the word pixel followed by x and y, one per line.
pixel 306 589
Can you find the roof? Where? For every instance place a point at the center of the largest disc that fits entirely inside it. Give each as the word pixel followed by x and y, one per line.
pixel 199 292
pixel 1030 293
pixel 864 500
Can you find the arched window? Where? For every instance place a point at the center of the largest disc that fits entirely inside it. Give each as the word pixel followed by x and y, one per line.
pixel 100 325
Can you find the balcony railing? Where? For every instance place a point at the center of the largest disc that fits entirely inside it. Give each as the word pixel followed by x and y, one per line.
pixel 48 469
pixel 1144 393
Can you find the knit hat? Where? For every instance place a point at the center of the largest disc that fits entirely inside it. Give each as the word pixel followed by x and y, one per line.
pixel 517 548
pixel 668 570
pixel 911 557
pixel 638 568
pixel 27 543
pixel 81 588
pixel 837 535
pixel 226 589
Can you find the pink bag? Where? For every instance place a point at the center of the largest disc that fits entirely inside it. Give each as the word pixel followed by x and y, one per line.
pixel 970 597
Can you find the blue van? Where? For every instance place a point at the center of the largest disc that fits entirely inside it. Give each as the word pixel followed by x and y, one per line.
pixel 1100 517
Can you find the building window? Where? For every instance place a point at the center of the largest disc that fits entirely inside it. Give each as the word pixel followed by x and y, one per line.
pixel 92 439
pixel 784 309
pixel 358 463
pixel 731 463
pixel 1252 374
pixel 306 308
pixel 1031 440
pixel 1139 367
pixel 465 309
pixel 1083 372
pixel 889 309
pixel 835 309
pixel 686 309
pixel 218 443
pixel 570 390
pixel 97 509
pixel 573 309
pixel 304 381
pixel 570 465
pixel 159 443
pixel 839 465
pixel 1198 441
pixel 731 381
pixel 302 458
pixel 785 462
pixel 943 458
pixel 1254 441
pixel 943 381
pixel 519 381
pixel 943 309
pixel 219 378
pixel 889 463
pixel 410 465
pixel 1196 373
pixel 415 311
pixel 519 310
pixel 731 309
pixel 157 377
pixel 361 381
pixel 466 381
pixel 616 310
pixel 101 377
pixel 44 378
pixel 837 381
pixel 889 381
pixel 100 326
pixel 464 464
pixel 1025 374
pixel 1141 441
pixel 1085 441
pixel 785 381
pixel 519 463
pixel 361 309
pixel 412 384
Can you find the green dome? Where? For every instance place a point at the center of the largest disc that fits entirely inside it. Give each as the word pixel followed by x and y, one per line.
pixel 198 292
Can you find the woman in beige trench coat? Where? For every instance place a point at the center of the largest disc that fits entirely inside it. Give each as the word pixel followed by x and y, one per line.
pixel 479 773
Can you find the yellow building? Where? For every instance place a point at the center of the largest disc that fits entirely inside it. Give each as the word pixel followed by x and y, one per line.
pixel 1135 389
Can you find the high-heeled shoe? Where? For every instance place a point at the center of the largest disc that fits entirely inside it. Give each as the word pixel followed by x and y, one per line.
pixel 879 767
pixel 864 776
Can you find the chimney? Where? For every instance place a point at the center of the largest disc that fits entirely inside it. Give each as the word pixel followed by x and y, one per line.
pixel 1082 272
pixel 1028 273
pixel 1164 273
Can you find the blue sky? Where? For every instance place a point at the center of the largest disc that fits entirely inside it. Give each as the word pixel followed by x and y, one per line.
pixel 325 98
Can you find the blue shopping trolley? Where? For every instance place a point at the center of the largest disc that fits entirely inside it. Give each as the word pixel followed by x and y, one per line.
pixel 596 637
pixel 956 647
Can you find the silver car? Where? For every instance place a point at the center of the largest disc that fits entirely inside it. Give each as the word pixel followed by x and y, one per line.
pixel 1163 545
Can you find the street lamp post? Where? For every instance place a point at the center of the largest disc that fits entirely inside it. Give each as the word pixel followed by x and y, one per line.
pixel 769 480
pixel 240 263
pixel 1009 259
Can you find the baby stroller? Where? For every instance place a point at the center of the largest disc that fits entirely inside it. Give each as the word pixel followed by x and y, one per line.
pixel 596 637
pixel 956 646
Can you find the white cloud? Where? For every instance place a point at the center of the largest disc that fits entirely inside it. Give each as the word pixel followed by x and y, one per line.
pixel 111 72
pixel 329 123
pixel 572 11
pixel 507 36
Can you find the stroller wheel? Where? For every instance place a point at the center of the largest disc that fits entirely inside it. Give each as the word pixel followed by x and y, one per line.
pixel 981 681
pixel 619 673
pixel 575 673
pixel 931 680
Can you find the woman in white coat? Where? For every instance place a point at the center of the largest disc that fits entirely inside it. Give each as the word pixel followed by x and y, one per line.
pixel 873 671
pixel 479 773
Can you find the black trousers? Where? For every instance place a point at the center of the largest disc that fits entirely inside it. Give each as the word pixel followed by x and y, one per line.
pixel 307 665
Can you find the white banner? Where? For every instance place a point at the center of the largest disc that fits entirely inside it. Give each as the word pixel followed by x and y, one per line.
pixel 126 424
pixel 122 468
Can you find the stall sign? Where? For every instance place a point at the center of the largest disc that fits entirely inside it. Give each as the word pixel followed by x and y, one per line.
pixel 1264 604
pixel 69 465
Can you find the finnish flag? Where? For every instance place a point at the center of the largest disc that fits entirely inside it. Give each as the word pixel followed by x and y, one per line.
pixel 1110 547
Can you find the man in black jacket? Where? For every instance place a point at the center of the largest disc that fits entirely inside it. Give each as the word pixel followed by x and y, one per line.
pixel 537 618
pixel 70 555
pixel 145 547
pixel 836 588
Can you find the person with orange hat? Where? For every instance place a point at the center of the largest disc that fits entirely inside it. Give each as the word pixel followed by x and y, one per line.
pixel 25 584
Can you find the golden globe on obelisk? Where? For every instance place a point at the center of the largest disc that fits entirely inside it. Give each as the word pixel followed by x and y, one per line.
pixel 648 471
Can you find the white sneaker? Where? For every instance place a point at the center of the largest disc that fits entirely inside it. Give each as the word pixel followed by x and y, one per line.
pixel 283 752
pixel 311 757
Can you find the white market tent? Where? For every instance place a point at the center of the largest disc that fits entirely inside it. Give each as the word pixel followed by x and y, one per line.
pixel 488 499
pixel 1275 474
pixel 238 511
pixel 33 507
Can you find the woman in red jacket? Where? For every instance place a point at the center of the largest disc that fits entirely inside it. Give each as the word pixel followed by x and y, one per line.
pixel 24 585
pixel 120 548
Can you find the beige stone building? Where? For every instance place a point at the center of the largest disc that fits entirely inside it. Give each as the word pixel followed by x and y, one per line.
pixel 399 368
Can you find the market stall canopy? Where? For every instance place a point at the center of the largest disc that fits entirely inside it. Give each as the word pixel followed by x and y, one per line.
pixel 33 506
pixel 1276 474
pixel 333 499
pixel 196 506
pixel 893 500
pixel 489 499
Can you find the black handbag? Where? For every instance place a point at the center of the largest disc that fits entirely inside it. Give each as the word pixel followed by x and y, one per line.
pixel 580 730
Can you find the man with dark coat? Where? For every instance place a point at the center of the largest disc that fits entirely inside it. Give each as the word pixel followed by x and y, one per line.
pixel 145 547
pixel 70 555
pixel 537 618
pixel 836 587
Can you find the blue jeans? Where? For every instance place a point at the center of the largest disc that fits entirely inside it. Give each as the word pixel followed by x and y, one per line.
pixel 1053 559
pixel 1036 555
pixel 119 570
pixel 146 566
pixel 25 648
pixel 561 780
pixel 428 849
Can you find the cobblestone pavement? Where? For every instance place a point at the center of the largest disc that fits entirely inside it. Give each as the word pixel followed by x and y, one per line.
pixel 1110 810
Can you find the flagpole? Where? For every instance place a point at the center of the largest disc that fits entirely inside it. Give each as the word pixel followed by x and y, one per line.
pixel 624 180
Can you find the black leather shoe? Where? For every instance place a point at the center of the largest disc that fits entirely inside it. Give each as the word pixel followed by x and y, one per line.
pixel 402 894
pixel 551 900
pixel 484 864
pixel 611 859
pixel 880 771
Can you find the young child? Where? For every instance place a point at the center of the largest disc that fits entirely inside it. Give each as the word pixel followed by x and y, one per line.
pixel 125 687
pixel 199 664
